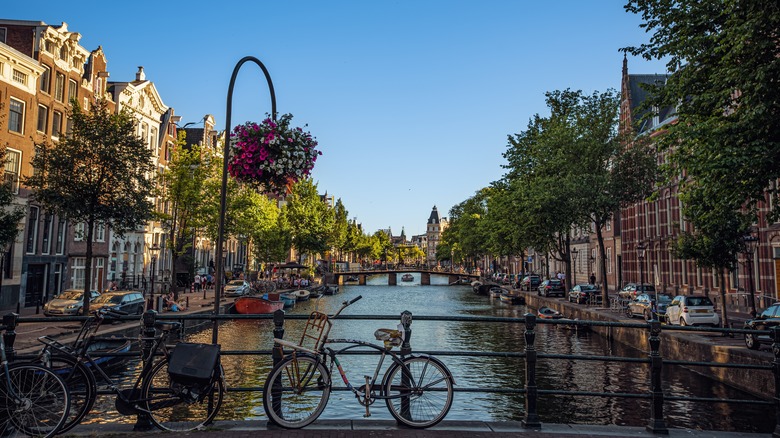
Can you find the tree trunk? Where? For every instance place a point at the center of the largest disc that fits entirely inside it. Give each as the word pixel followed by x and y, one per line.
pixel 567 247
pixel 724 315
pixel 602 259
pixel 90 224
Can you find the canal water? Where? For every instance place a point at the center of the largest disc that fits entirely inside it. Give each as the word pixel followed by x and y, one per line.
pixel 471 372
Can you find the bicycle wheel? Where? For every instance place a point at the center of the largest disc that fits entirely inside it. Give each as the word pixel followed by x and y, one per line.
pixel 296 391
pixel 81 385
pixel 421 396
pixel 34 401
pixel 175 412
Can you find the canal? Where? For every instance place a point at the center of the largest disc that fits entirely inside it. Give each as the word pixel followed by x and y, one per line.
pixel 493 372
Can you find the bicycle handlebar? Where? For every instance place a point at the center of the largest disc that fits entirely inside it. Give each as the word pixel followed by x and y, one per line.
pixel 345 304
pixel 353 300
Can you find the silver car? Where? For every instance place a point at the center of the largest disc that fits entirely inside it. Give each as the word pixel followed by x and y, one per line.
pixel 68 303
pixel 237 288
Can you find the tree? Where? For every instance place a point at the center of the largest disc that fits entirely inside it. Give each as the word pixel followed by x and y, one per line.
pixel 182 188
pixel 340 226
pixel 10 215
pixel 310 219
pixel 96 174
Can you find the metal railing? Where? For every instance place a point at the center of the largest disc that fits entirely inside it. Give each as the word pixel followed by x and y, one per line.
pixel 531 391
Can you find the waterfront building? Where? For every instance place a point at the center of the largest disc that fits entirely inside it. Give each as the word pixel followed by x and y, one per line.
pixel 434 229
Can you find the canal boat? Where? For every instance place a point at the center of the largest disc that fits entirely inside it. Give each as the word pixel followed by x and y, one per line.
pixel 495 292
pixel 329 289
pixel 106 346
pixel 548 313
pixel 285 297
pixel 301 294
pixel 510 298
pixel 407 277
pixel 256 305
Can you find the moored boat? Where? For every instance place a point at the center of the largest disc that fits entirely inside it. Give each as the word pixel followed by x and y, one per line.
pixel 285 297
pixel 510 298
pixel 329 289
pixel 496 292
pixel 548 313
pixel 407 277
pixel 257 305
pixel 301 295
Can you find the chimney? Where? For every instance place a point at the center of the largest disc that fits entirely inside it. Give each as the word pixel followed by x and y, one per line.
pixel 140 76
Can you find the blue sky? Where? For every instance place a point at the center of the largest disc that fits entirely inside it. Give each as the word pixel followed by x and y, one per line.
pixel 411 101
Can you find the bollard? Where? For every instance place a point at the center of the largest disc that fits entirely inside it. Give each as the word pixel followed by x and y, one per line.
pixel 657 424
pixel 187 303
pixel 277 354
pixel 38 307
pixel 143 421
pixel 776 372
pixel 531 420
pixel 10 321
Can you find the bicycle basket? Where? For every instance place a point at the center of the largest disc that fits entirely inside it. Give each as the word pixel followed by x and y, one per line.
pixel 392 338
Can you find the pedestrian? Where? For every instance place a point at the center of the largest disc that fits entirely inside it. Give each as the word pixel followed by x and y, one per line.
pixel 197 282
pixel 203 282
pixel 592 278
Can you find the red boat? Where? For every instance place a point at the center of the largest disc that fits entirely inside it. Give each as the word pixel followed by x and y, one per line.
pixel 257 305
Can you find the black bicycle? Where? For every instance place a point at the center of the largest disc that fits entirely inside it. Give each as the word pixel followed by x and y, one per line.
pixel 34 401
pixel 180 387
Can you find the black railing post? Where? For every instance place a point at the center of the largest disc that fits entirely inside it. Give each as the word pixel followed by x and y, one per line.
pixel 277 354
pixel 406 349
pixel 657 424
pixel 143 422
pixel 531 419
pixel 776 372
pixel 10 321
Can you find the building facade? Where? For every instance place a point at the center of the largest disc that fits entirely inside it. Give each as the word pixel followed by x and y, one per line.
pixel 433 231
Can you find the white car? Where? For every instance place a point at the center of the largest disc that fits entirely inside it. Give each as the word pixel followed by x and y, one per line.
pixel 692 310
pixel 236 288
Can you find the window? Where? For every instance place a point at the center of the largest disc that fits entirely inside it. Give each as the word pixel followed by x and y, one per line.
pixel 13 165
pixel 32 230
pixel 73 89
pixel 46 79
pixel 78 232
pixel 16 116
pixel 48 47
pixel 61 229
pixel 43 118
pixel 19 77
pixel 100 232
pixel 2 35
pixel 8 272
pixel 153 141
pixel 68 126
pixel 46 237
pixel 57 278
pixel 59 87
pixel 64 53
pixel 56 124
pixel 609 260
pixel 77 279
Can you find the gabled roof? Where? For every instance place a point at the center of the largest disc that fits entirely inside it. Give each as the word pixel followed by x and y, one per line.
pixel 434 217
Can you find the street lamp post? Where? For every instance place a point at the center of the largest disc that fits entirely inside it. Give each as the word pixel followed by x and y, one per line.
pixel 750 246
pixel 153 249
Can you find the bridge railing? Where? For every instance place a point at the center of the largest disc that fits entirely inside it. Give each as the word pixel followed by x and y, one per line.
pixel 531 390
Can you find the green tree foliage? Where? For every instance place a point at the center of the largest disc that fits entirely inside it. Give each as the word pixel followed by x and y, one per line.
pixel 310 219
pixel 98 173
pixel 10 215
pixel 468 228
pixel 338 237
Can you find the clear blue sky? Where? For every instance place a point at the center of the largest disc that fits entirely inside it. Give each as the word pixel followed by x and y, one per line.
pixel 410 100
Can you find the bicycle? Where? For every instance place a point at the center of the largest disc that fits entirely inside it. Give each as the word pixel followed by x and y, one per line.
pixel 179 400
pixel 34 401
pixel 417 389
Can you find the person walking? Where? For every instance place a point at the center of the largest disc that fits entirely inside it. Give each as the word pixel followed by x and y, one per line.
pixel 592 278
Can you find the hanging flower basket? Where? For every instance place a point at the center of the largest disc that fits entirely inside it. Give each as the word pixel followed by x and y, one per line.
pixel 271 154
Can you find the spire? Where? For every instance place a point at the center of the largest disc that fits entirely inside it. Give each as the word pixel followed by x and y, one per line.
pixel 625 64
pixel 434 217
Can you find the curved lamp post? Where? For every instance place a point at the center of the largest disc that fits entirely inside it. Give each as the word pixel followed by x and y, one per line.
pixel 750 246
pixel 220 271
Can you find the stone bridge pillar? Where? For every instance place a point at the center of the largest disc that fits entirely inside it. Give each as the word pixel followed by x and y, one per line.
pixel 425 278
pixel 392 279
pixel 362 279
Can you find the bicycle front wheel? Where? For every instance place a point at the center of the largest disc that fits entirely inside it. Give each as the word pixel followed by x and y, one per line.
pixel 297 391
pixel 34 401
pixel 171 410
pixel 420 391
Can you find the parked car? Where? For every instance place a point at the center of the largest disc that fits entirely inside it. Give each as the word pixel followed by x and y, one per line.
pixel 767 319
pixel 633 290
pixel 128 301
pixel 551 287
pixel 530 282
pixel 237 288
pixel 692 310
pixel 584 293
pixel 645 306
pixel 69 302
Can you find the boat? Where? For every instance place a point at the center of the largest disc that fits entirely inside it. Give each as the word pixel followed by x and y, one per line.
pixel 496 292
pixel 100 349
pixel 329 289
pixel 548 313
pixel 407 277
pixel 256 305
pixel 351 279
pixel 510 298
pixel 285 297
pixel 301 294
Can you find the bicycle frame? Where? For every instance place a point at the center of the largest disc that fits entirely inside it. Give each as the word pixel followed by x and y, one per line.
pixel 332 354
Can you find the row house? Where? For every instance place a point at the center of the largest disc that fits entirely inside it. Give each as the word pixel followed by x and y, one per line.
pixel 66 72
pixel 650 227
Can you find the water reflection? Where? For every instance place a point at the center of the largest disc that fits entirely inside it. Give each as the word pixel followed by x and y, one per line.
pixel 492 372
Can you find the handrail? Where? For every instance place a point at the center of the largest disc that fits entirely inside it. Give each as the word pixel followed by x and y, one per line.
pixel 529 355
